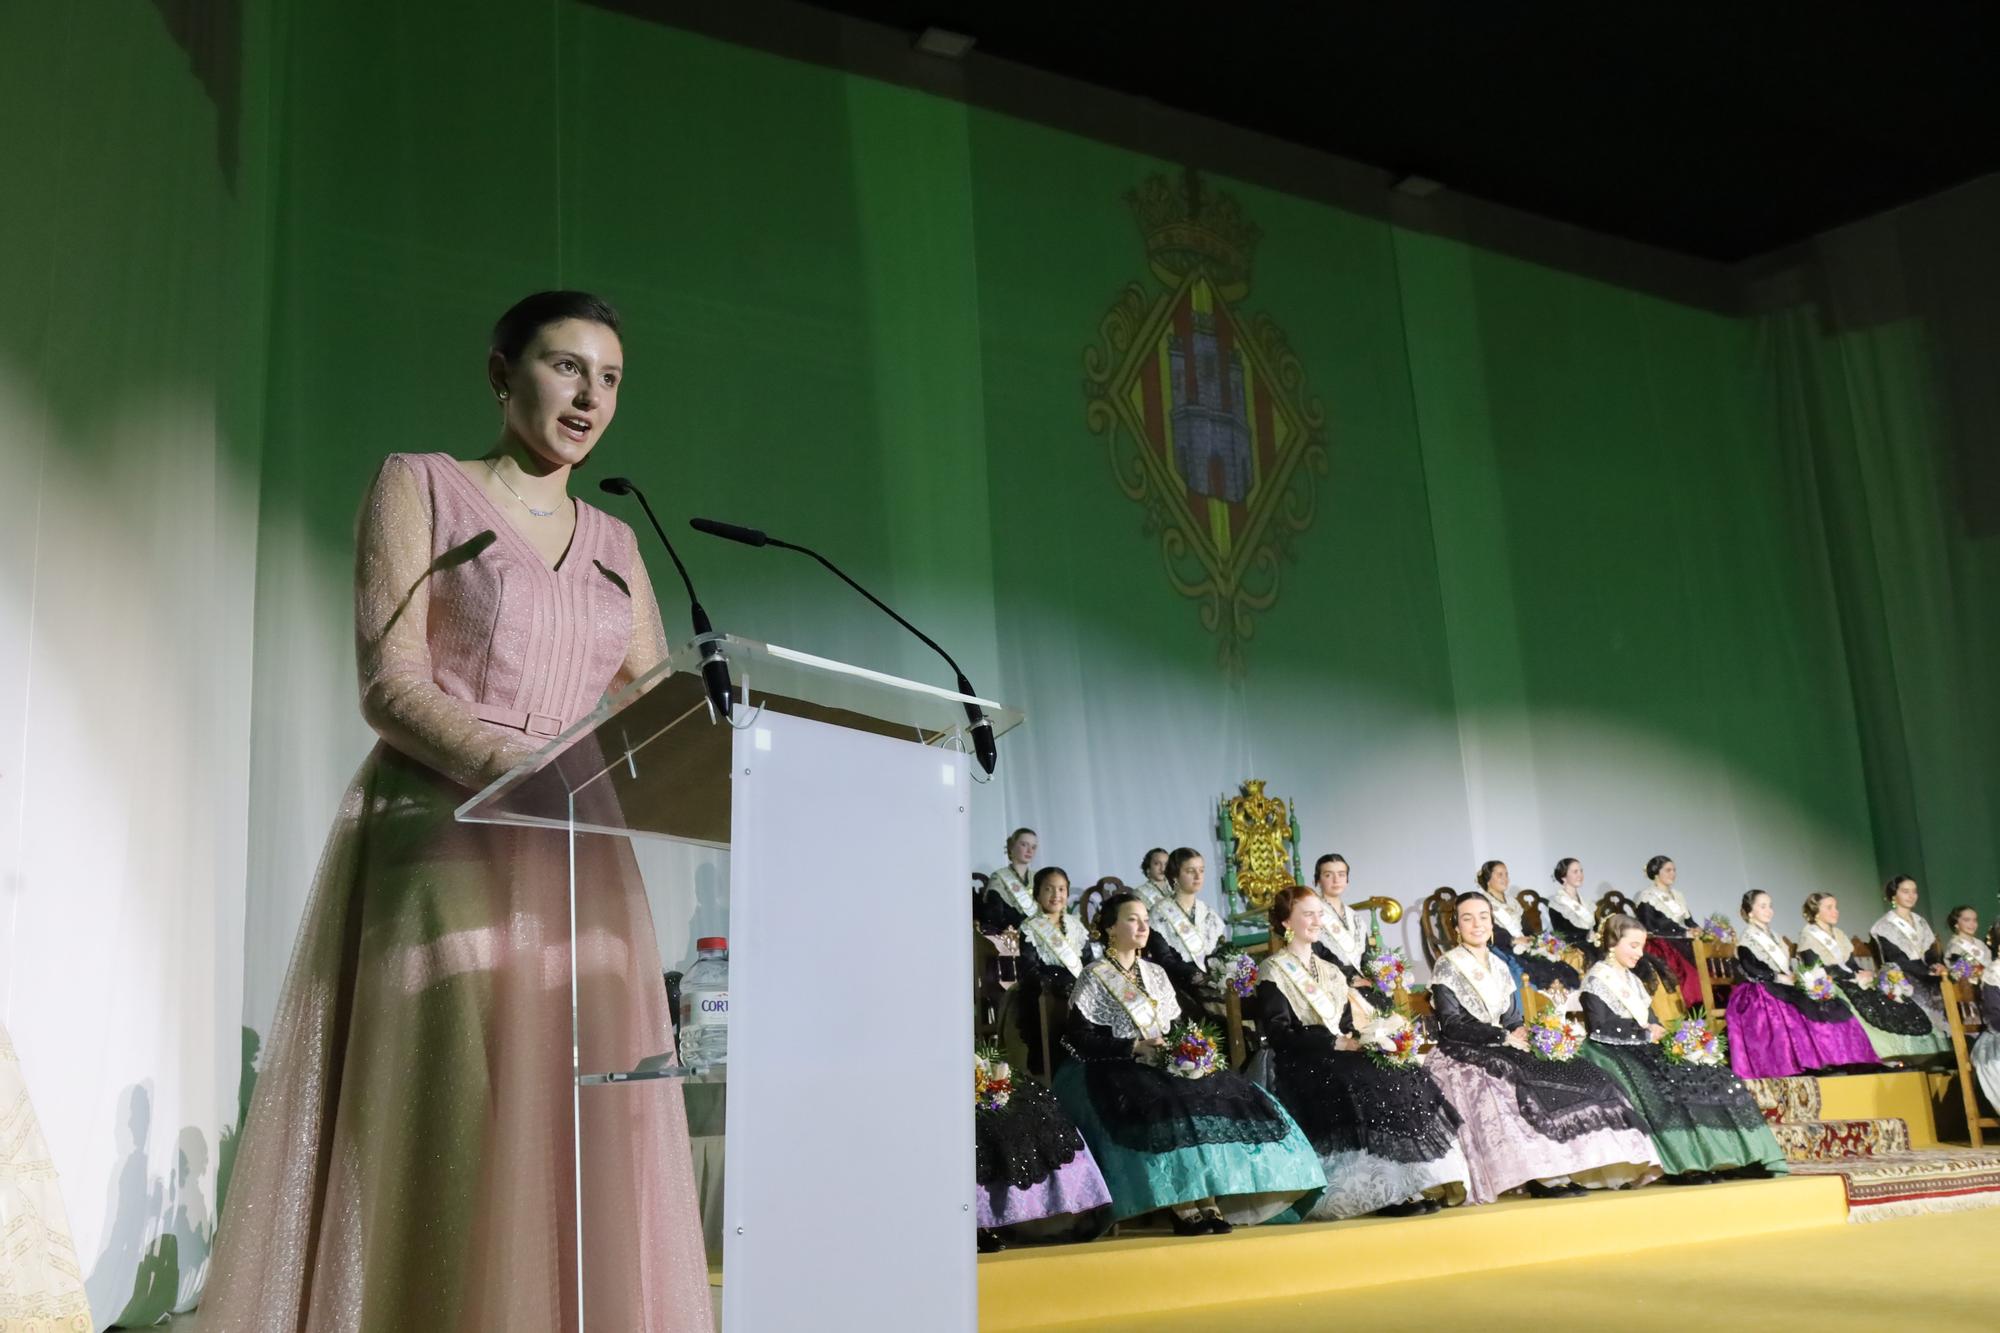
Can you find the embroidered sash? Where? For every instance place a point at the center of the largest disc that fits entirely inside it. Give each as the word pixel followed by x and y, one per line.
pixel 1916 933
pixel 1312 1000
pixel 1669 903
pixel 1018 893
pixel 1581 917
pixel 1964 946
pixel 1832 946
pixel 1617 987
pixel 1182 931
pixel 1505 915
pixel 1486 996
pixel 1142 1008
pixel 1150 893
pixel 1055 944
pixel 1760 941
pixel 1342 933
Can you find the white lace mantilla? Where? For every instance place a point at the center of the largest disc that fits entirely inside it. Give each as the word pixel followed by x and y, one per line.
pixel 1965 946
pixel 1621 990
pixel 1573 910
pixel 1339 997
pixel 1343 932
pixel 1832 946
pixel 1100 1006
pixel 1760 941
pixel 1914 936
pixel 1669 903
pixel 1150 893
pixel 1193 938
pixel 1486 990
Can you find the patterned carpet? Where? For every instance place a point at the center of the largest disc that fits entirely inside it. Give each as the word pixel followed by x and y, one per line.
pixel 1884 1176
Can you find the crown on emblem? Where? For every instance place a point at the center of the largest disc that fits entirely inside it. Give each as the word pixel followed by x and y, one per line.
pixel 1187 227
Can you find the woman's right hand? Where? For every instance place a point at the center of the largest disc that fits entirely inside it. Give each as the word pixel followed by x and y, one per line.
pixel 1865 978
pixel 1146 1045
pixel 1518 1038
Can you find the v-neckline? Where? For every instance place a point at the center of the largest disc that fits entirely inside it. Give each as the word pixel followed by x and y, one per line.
pixel 493 507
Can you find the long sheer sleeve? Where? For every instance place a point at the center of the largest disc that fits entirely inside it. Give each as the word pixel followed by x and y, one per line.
pixel 1889 951
pixel 400 697
pixel 649 635
pixel 1752 967
pixel 1657 922
pixel 1184 975
pixel 1608 1025
pixel 1455 1024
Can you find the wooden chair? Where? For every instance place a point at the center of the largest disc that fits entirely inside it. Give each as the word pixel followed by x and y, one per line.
pixel 1961 1011
pixel 1437 927
pixel 1716 964
pixel 990 982
pixel 1532 914
pixel 1051 1028
pixel 1613 903
pixel 1864 952
pixel 1086 906
pixel 1533 1003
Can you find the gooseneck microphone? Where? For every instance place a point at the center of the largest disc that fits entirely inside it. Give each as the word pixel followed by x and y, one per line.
pixel 714 665
pixel 982 726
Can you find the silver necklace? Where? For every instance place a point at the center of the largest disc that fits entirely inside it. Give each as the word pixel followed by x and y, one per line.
pixel 538 513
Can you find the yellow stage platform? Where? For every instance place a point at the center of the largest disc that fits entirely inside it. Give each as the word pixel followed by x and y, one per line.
pixel 1905 1096
pixel 1028 1289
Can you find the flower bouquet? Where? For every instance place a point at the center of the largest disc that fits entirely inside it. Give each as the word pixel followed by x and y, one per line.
pixel 992 1080
pixel 1192 1051
pixel 1892 983
pixel 1812 978
pixel 1233 972
pixel 1553 1037
pixel 1392 1042
pixel 1693 1042
pixel 1387 970
pixel 1716 930
pixel 1965 971
pixel 1547 945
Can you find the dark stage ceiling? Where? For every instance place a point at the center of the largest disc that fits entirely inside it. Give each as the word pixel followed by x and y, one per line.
pixel 1720 131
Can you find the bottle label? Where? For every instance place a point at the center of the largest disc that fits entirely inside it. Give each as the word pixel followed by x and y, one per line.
pixel 703 1008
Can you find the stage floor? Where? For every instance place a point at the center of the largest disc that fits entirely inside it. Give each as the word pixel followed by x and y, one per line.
pixel 1827 1279
pixel 1159 1273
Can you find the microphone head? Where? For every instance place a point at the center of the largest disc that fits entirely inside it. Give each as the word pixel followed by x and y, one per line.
pixel 615 486
pixel 734 532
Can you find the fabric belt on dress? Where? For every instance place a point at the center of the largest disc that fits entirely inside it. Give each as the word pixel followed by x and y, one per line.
pixel 535 724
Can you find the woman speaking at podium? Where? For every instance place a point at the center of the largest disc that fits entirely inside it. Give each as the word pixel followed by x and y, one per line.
pixel 408 1160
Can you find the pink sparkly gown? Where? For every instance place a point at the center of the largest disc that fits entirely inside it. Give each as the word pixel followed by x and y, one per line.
pixel 407 1161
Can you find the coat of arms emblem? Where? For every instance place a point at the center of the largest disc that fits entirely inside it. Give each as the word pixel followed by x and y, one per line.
pixel 1204 410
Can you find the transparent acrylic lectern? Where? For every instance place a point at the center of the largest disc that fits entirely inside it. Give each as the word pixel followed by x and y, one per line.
pixel 841 794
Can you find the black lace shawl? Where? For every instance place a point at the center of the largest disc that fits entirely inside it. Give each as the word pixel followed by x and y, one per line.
pixel 1344 1101
pixel 1027 1140
pixel 1564 1100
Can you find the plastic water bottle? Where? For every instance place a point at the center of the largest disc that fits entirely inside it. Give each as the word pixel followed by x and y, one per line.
pixel 704 1035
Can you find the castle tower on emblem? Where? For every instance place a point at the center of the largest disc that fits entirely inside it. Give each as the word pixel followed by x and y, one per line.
pixel 1204 411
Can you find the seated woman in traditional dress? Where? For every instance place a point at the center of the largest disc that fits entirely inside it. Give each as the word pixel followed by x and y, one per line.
pixel 1185 932
pixel 1897 1028
pixel 1776 1030
pixel 1552 976
pixel 1986 1051
pixel 1217 1150
pixel 1386 1138
pixel 1037 1180
pixel 1152 885
pixel 1009 899
pixel 1669 924
pixel 1702 1119
pixel 1964 941
pixel 1343 935
pixel 1907 940
pixel 1572 919
pixel 1055 948
pixel 1556 1128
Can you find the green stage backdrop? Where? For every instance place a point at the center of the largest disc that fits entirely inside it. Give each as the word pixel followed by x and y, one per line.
pixel 1467 556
